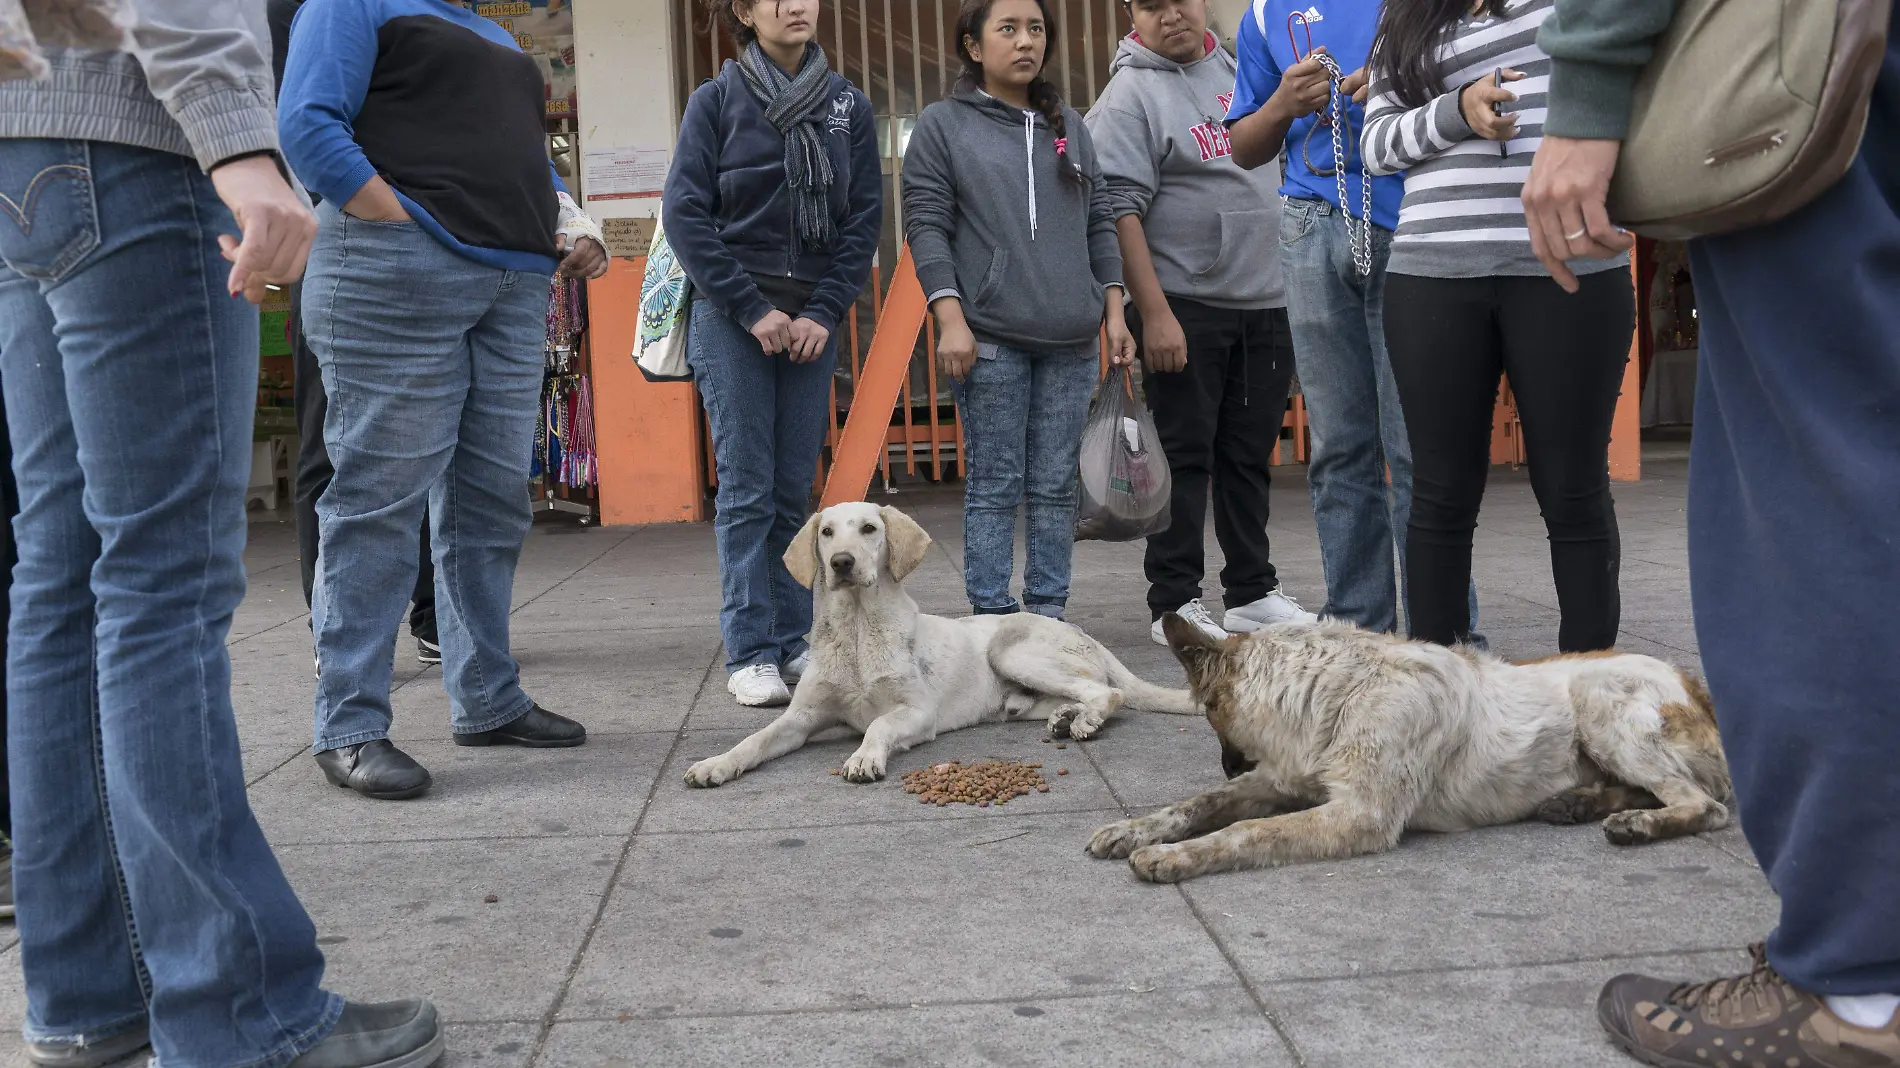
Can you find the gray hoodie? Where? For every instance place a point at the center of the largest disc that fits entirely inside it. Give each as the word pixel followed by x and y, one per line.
pixel 1213 228
pixel 990 220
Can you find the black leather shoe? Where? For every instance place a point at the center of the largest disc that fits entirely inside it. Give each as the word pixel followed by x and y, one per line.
pixel 375 769
pixel 394 1034
pixel 536 729
pixel 109 1050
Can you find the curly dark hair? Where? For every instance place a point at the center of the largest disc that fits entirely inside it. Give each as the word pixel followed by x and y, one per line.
pixel 720 13
pixel 1043 94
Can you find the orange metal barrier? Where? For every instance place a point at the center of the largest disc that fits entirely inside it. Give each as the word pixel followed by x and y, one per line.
pixel 862 448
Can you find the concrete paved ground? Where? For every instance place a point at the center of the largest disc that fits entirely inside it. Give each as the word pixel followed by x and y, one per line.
pixel 791 919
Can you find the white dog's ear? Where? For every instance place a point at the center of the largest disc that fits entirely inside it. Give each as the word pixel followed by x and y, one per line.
pixel 801 557
pixel 906 540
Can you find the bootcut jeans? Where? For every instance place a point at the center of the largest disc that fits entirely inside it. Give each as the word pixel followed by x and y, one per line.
pixel 147 894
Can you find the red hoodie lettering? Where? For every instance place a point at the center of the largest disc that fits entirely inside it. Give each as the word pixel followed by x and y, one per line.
pixel 1211 137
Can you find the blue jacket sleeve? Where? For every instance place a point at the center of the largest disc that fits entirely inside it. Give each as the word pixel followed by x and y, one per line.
pixel 687 210
pixel 857 238
pixel 326 76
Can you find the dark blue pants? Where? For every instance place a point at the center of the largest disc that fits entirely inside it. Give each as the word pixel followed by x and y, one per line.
pixel 1794 538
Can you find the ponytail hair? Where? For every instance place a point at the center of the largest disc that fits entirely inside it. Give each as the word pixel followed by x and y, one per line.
pixel 720 14
pixel 1044 97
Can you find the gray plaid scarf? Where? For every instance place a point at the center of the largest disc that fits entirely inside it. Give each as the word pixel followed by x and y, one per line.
pixel 791 105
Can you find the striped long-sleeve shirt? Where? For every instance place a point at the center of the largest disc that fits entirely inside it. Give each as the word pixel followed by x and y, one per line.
pixel 1462 216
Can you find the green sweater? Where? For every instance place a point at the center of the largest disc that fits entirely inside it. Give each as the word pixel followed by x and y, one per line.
pixel 1597 49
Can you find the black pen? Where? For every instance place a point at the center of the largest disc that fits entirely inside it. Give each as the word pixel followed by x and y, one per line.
pixel 1497 108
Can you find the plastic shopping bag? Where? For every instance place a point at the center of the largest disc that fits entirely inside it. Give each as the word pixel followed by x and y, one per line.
pixel 1124 474
pixel 666 299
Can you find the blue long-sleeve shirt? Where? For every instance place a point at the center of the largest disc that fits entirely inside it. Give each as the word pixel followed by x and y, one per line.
pixel 441 103
pixel 1274 35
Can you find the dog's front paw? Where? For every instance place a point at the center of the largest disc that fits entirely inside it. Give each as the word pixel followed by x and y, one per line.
pixel 1630 828
pixel 1061 719
pixel 1117 840
pixel 712 772
pixel 1165 863
pixel 1086 724
pixel 863 767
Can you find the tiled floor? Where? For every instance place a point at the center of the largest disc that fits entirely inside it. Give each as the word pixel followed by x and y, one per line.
pixel 792 919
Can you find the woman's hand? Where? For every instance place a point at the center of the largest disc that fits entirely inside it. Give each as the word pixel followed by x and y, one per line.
pixel 1478 102
pixel 774 332
pixel 1357 85
pixel 1121 343
pixel 274 227
pixel 956 349
pixel 376 202
pixel 808 340
pixel 956 346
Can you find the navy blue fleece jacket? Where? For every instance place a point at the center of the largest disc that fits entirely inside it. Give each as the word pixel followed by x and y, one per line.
pixel 728 211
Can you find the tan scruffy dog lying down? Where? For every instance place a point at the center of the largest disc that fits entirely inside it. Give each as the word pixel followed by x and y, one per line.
pixel 900 677
pixel 1337 740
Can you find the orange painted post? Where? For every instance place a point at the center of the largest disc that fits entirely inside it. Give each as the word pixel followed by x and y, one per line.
pixel 862 446
pixel 1626 428
pixel 646 433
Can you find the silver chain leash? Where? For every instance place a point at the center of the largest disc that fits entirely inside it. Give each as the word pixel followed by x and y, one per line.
pixel 1359 237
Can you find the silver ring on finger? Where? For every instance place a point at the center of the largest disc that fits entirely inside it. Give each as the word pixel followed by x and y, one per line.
pixel 1578 234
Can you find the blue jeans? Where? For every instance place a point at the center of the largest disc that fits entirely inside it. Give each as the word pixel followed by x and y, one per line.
pixel 1352 409
pixel 1022 413
pixel 433 366
pixel 768 418
pixel 147 894
pixel 1794 500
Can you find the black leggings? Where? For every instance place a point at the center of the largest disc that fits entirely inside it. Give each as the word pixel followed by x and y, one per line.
pixel 1564 354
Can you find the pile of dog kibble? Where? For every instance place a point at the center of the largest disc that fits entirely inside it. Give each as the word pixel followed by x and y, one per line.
pixel 991 782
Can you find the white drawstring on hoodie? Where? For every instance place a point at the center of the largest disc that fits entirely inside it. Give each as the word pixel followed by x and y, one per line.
pixel 1029 162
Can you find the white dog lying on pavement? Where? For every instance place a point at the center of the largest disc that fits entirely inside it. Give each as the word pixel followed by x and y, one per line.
pixel 901 677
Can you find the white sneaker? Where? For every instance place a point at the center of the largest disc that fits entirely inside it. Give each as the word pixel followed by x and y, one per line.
pixel 795 668
pixel 758 686
pixel 1275 607
pixel 1194 612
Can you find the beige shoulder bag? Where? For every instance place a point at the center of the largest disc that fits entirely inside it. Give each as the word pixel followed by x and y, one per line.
pixel 1748 111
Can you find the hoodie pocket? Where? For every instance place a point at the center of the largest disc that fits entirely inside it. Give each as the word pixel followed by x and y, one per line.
pixel 993 280
pixel 1241 234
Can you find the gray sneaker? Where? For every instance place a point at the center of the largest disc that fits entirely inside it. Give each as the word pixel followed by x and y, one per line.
pixel 6 883
pixel 1275 607
pixel 110 1050
pixel 394 1034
